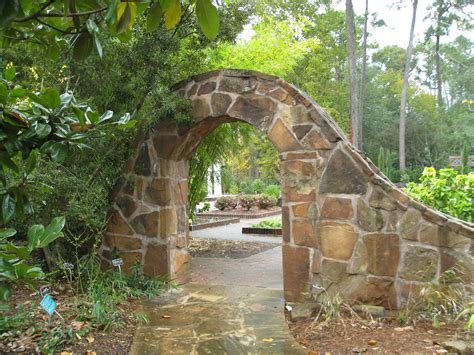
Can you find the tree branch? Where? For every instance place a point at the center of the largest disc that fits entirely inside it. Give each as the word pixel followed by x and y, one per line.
pixel 76 14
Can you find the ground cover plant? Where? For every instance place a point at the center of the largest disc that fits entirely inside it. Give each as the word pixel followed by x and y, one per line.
pixel 269 223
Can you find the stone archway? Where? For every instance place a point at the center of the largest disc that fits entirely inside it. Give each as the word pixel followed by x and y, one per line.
pixel 347 228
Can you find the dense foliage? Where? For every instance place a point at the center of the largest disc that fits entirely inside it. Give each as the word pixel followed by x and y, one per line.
pixel 447 191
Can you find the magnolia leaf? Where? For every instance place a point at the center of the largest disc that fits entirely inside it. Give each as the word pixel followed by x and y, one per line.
pixel 126 13
pixel 34 234
pixel 7 233
pixel 83 46
pixel 172 14
pixel 208 18
pixel 153 18
pixel 3 93
pixel 8 208
pixel 9 73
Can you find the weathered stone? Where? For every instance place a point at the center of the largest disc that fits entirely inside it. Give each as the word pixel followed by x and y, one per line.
pixel 118 225
pixel 315 140
pixel 146 224
pixel 254 109
pixel 293 115
pixel 159 192
pixel 301 155
pixel 419 264
pixel 409 292
pixel 316 264
pixel 285 212
pixel 122 243
pixel 302 310
pixel 182 193
pixel 200 109
pixel 278 94
pixel 127 205
pixel 298 181
pixel 129 259
pixel 305 210
pixel 165 145
pixel 207 88
pixel 295 272
pixel 368 218
pixel 303 233
pixel 379 199
pixel 337 208
pixel 192 91
pixel 392 222
pixel 337 240
pixel 409 224
pixel 237 85
pixel 168 222
pixel 156 260
pixel 367 309
pixel 282 138
pixel 459 346
pixel 358 262
pixel 142 163
pixel 219 104
pixel 301 130
pixel 179 257
pixel 376 291
pixel 167 167
pixel 333 271
pixel 383 253
pixel 342 176
pixel 451 259
pixel 139 187
pixel 442 237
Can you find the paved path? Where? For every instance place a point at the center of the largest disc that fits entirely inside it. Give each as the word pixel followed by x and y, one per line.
pixel 222 306
pixel 233 231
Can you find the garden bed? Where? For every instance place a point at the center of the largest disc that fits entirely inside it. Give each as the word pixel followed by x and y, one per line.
pixel 243 213
pixel 267 231
pixel 230 249
pixel 203 222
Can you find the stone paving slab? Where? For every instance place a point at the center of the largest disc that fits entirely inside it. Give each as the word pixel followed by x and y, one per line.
pixel 216 319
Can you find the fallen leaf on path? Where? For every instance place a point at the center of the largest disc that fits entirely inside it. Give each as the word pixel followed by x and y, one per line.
pixel 267 340
pixel 403 329
pixel 90 339
pixel 372 342
pixel 166 316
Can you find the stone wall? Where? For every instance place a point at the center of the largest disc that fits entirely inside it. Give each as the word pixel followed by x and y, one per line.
pixel 346 228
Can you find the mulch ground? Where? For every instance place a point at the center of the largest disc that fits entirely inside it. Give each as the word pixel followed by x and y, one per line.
pixel 383 336
pixel 231 249
pixel 36 329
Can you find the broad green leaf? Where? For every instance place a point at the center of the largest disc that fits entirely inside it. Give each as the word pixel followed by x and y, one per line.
pixel 7 233
pixel 106 116
pixel 111 15
pixel 8 208
pixel 5 291
pixel 9 73
pixel 93 117
pixel 58 151
pixel 126 13
pixel 21 252
pixel 52 232
pixel 7 162
pixel 83 46
pixel 28 272
pixel 98 46
pixel 3 93
pixel 172 14
pixel 18 91
pixel 34 234
pixel 153 17
pixel 42 130
pixel 208 18
pixel 92 26
pixel 51 98
pixel 32 161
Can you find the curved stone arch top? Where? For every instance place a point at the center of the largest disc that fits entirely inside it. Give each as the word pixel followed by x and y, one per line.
pixel 346 228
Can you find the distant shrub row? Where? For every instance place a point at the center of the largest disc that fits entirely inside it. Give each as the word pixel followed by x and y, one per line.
pixel 246 202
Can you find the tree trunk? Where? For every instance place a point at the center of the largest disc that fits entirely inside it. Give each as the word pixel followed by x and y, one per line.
pixel 352 73
pixel 362 78
pixel 403 101
pixel 438 72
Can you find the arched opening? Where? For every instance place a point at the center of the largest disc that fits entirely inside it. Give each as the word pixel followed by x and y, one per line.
pixel 347 230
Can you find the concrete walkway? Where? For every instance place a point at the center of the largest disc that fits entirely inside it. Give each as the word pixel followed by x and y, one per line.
pixel 222 306
pixel 233 231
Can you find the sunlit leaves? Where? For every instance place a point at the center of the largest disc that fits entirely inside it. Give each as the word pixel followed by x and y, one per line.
pixel 208 18
pixel 153 18
pixel 126 13
pixel 173 12
pixel 83 46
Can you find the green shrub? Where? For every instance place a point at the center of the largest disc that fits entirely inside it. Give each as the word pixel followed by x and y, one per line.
pixel 221 203
pixel 447 191
pixel 245 187
pixel 258 186
pixel 247 201
pixel 273 190
pixel 268 223
pixel 206 207
pixel 266 201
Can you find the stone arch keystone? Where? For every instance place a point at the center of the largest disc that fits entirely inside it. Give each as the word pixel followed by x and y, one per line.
pixel 347 228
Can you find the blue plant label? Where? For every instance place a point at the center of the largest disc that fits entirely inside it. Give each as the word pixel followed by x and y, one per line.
pixel 117 262
pixel 48 304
